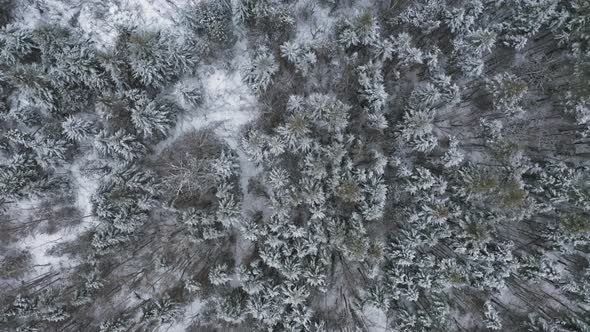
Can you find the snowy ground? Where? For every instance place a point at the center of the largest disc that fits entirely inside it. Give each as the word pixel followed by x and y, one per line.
pixel 375 318
pixel 229 104
pixel 38 243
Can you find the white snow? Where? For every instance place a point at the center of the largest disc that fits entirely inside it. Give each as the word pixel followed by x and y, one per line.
pixel 228 105
pixel 85 188
pixel 190 315
pixel 375 318
pixel 99 19
pixel 38 245
pixel 38 241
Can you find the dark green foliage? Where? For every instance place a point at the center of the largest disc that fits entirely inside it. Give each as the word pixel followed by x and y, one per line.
pixel 211 20
pixel 155 58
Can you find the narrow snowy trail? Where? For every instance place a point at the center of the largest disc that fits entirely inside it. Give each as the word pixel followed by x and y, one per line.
pixel 229 105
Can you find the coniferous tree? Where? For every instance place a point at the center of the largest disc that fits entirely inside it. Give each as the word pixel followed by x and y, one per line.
pixel 395 175
pixel 259 72
pixel 77 129
pixel 119 145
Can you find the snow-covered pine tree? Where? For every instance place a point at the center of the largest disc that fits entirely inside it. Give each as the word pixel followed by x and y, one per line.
pixel 406 53
pixel 527 18
pixel 259 71
pixel 163 311
pixel 119 145
pixel 362 30
pixel 212 20
pixel 153 118
pixel 301 56
pixel 425 15
pixel 156 58
pixel 491 318
pixel 508 92
pixel 16 43
pixel 77 129
pixel 373 92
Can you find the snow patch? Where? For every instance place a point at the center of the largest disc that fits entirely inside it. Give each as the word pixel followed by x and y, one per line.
pixel 38 246
pixel 376 319
pixel 229 104
pixel 85 187
pixel 191 313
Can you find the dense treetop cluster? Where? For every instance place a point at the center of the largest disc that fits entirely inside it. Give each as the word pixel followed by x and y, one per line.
pixel 415 166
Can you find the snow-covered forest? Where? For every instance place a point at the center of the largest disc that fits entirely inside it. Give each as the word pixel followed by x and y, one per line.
pixel 295 165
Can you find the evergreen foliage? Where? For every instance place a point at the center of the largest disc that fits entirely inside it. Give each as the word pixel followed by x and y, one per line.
pixel 405 166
